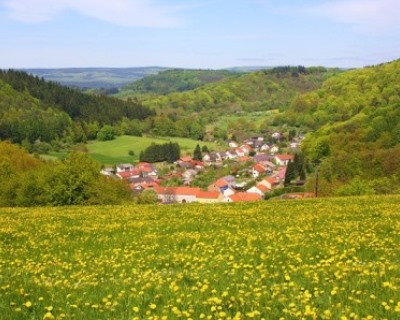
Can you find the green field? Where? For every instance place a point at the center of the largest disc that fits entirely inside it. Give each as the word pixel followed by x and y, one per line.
pixel 116 151
pixel 311 259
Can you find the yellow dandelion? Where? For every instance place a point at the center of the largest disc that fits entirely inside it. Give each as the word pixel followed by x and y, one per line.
pixel 28 304
pixel 48 315
pixel 153 306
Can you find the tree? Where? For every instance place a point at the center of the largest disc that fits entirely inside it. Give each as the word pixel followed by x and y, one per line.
pixel 204 149
pixel 197 153
pixel 106 133
pixel 290 173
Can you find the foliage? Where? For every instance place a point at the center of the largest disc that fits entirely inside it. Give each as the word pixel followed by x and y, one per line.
pixel 27 181
pixel 176 80
pixel 106 133
pixel 312 259
pixel 355 119
pixel 169 152
pixel 257 91
pixel 197 155
pixel 78 106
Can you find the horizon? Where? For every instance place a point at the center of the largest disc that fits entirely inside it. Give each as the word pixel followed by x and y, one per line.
pixel 219 34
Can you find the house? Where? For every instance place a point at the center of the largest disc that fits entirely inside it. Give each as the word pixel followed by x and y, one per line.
pixel 230 180
pixel 246 148
pixel 262 157
pixel 176 194
pixel 283 159
pixel 260 189
pixel 258 170
pixel 142 183
pixel 124 167
pixel 186 195
pixel 243 197
pixel 188 175
pixel 233 144
pixel 271 182
pixel 147 169
pixel 264 147
pixel 107 171
pixel 125 175
pixel 208 196
pixel 231 154
pixel 219 185
pixel 274 149
pixel 240 152
pixel 277 136
pixel 281 173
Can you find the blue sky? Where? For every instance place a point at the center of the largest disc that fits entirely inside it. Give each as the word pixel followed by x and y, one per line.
pixel 198 34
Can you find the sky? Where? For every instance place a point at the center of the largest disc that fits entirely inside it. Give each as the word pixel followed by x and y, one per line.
pixel 206 34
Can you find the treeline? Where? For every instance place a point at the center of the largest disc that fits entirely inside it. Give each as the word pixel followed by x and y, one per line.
pixel 176 80
pixel 169 152
pixel 28 181
pixel 44 115
pixel 79 106
pixel 258 91
pixel 355 119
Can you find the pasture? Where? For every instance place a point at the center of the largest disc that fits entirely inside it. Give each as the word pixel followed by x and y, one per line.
pixel 309 259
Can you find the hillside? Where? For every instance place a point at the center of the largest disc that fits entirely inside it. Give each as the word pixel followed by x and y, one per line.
pixel 257 91
pixel 30 106
pixel 312 259
pixel 356 121
pixel 176 80
pixel 107 78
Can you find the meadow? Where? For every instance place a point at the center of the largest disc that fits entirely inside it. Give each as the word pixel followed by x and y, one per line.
pixel 117 151
pixel 307 259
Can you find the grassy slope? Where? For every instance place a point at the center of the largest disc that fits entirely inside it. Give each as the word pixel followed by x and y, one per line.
pixel 298 259
pixel 116 151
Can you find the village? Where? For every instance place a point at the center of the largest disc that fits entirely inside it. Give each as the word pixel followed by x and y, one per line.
pixel 263 170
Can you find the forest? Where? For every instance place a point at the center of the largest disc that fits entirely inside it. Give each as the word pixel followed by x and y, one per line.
pixel 33 109
pixel 354 123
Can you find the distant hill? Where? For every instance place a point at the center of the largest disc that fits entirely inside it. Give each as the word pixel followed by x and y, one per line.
pixel 175 80
pixel 32 108
pixel 95 77
pixel 245 92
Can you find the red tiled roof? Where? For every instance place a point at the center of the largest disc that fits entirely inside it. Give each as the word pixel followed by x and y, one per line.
pixel 245 196
pixel 272 180
pixel 259 168
pixel 186 159
pixel 208 194
pixel 221 183
pixel 262 187
pixel 243 159
pixel 284 157
pixel 128 174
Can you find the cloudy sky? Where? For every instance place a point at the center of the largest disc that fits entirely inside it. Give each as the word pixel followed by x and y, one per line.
pixel 198 33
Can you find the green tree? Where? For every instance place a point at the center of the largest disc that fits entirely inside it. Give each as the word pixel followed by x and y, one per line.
pixel 197 153
pixel 106 133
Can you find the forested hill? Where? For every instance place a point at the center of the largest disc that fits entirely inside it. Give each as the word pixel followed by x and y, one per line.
pixel 79 106
pixel 32 109
pixel 175 80
pixel 356 118
pixel 262 90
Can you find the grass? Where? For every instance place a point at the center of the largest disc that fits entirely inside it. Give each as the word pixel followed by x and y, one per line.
pixel 116 151
pixel 311 259
pixel 256 118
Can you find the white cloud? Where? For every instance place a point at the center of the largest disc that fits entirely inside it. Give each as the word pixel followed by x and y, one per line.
pixel 129 13
pixel 367 16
